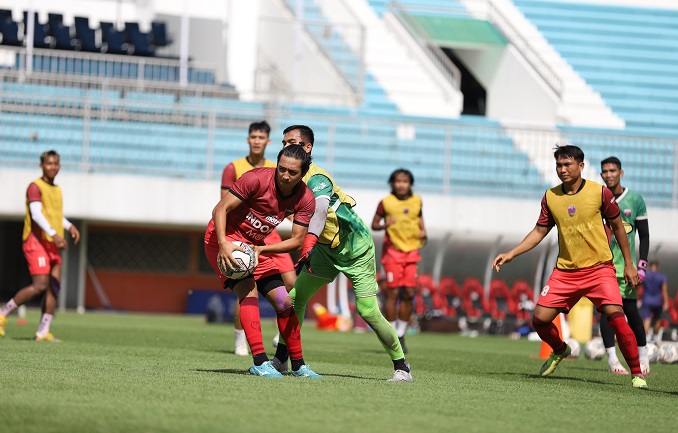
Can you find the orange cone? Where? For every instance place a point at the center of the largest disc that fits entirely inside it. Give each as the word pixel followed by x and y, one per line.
pixel 546 350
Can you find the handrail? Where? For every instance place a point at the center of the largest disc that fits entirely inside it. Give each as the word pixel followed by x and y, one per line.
pixel 437 56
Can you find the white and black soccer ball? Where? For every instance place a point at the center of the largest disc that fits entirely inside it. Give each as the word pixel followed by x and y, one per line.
pixel 574 346
pixel 652 352
pixel 594 349
pixel 245 261
pixel 668 353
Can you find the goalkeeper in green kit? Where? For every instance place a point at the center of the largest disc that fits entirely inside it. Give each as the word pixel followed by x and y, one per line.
pixel 634 218
pixel 338 241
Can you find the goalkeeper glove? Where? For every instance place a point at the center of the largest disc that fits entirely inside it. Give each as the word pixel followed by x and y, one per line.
pixel 642 269
pixel 306 251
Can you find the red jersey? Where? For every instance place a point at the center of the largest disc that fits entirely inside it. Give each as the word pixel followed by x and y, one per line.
pixel 264 207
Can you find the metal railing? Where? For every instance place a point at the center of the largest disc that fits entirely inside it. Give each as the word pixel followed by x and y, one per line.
pixel 437 56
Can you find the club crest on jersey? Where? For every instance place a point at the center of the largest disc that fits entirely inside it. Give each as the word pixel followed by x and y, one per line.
pixel 571 210
pixel 406 211
pixel 627 212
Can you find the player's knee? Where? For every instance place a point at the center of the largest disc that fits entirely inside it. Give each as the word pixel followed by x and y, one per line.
pixel 408 294
pixel 283 302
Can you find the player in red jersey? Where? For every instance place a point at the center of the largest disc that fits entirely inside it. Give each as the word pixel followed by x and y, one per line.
pixel 43 237
pixel 584 267
pixel 258 138
pixel 404 235
pixel 249 211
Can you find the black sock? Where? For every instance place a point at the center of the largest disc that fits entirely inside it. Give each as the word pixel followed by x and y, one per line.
pixel 296 363
pixel 400 364
pixel 260 359
pixel 281 352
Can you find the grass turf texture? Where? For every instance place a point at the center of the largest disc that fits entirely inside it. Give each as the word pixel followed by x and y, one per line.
pixel 141 373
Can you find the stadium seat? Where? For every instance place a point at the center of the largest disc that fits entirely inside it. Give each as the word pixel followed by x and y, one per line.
pixel 501 304
pixel 452 297
pixel 427 300
pixel 523 299
pixel 475 303
pixel 9 30
pixel 159 36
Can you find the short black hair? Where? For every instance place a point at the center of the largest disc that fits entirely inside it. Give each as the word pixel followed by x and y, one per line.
pixel 47 154
pixel 297 152
pixel 569 151
pixel 306 132
pixel 611 160
pixel 406 172
pixel 260 126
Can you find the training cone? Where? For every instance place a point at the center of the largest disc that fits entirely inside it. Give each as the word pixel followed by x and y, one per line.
pixel 546 350
pixel 21 312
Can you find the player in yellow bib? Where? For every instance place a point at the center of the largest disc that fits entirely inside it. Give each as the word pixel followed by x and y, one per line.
pixel 43 237
pixel 401 213
pixel 258 138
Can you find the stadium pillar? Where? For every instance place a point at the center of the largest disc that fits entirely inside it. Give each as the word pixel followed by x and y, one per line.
pixel 488 266
pixel 30 26
pixel 183 47
pixel 440 257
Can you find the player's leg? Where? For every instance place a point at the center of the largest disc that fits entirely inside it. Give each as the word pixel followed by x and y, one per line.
pixel 49 306
pixel 606 332
pixel 284 261
pixel 630 307
pixel 392 271
pixel 407 291
pixel 625 337
pixel 239 334
pixel 273 288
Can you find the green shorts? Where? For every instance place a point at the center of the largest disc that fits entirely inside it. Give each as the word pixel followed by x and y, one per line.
pixel 361 271
pixel 627 292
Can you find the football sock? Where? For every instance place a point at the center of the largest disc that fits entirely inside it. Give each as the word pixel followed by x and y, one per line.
pixel 8 308
pixel 288 325
pixel 401 327
pixel 259 359
pixel 251 324
pixel 611 355
pixel 240 337
pixel 642 354
pixel 606 332
pixel 626 340
pixel 394 323
pixel 368 308
pixel 400 364
pixel 548 332
pixel 281 352
pixel 43 328
pixel 296 363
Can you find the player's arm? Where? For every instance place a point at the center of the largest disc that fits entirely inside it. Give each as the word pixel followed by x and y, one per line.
pixel 665 296
pixel 642 226
pixel 530 241
pixel 220 212
pixel 227 179
pixel 294 243
pixel 619 232
pixel 73 230
pixel 422 227
pixel 379 215
pixel 35 208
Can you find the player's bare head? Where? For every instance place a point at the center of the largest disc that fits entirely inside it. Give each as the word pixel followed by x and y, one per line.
pixel 300 135
pixel 569 151
pixel 401 181
pixel 49 154
pixel 611 160
pixel 296 153
pixel 262 126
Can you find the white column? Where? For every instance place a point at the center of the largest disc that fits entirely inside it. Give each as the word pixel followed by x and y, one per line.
pixel 183 46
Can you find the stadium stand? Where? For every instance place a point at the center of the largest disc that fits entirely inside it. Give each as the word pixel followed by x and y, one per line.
pixel 632 64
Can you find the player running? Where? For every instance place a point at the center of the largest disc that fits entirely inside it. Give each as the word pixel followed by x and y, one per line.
pixel 584 267
pixel 43 237
pixel 403 223
pixel 258 138
pixel 634 218
pixel 338 241
pixel 249 211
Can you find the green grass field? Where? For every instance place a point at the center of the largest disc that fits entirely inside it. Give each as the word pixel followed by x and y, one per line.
pixel 142 373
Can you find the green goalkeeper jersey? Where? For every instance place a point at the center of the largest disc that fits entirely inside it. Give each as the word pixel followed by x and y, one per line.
pixel 632 207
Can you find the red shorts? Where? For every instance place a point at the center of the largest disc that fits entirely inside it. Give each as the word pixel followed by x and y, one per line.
pixel 565 288
pixel 283 261
pixel 267 265
pixel 400 268
pixel 41 256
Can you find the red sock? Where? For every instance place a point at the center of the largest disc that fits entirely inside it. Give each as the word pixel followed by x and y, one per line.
pixel 548 332
pixel 288 324
pixel 251 324
pixel 626 340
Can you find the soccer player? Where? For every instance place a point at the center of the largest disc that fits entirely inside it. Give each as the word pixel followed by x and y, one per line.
pixel 405 234
pixel 258 138
pixel 584 267
pixel 249 211
pixel 634 218
pixel 655 299
pixel 43 237
pixel 338 241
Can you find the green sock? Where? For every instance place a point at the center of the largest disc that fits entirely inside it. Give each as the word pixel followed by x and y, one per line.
pixel 368 308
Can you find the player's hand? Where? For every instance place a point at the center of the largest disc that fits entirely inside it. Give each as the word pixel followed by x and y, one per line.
pixel 306 251
pixel 642 269
pixel 257 252
pixel 59 242
pixel 500 260
pixel 225 256
pixel 75 234
pixel 389 221
pixel 631 275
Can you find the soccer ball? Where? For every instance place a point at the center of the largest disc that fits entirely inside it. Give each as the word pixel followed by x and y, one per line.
pixel 668 353
pixel 652 352
pixel 594 349
pixel 245 262
pixel 574 346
